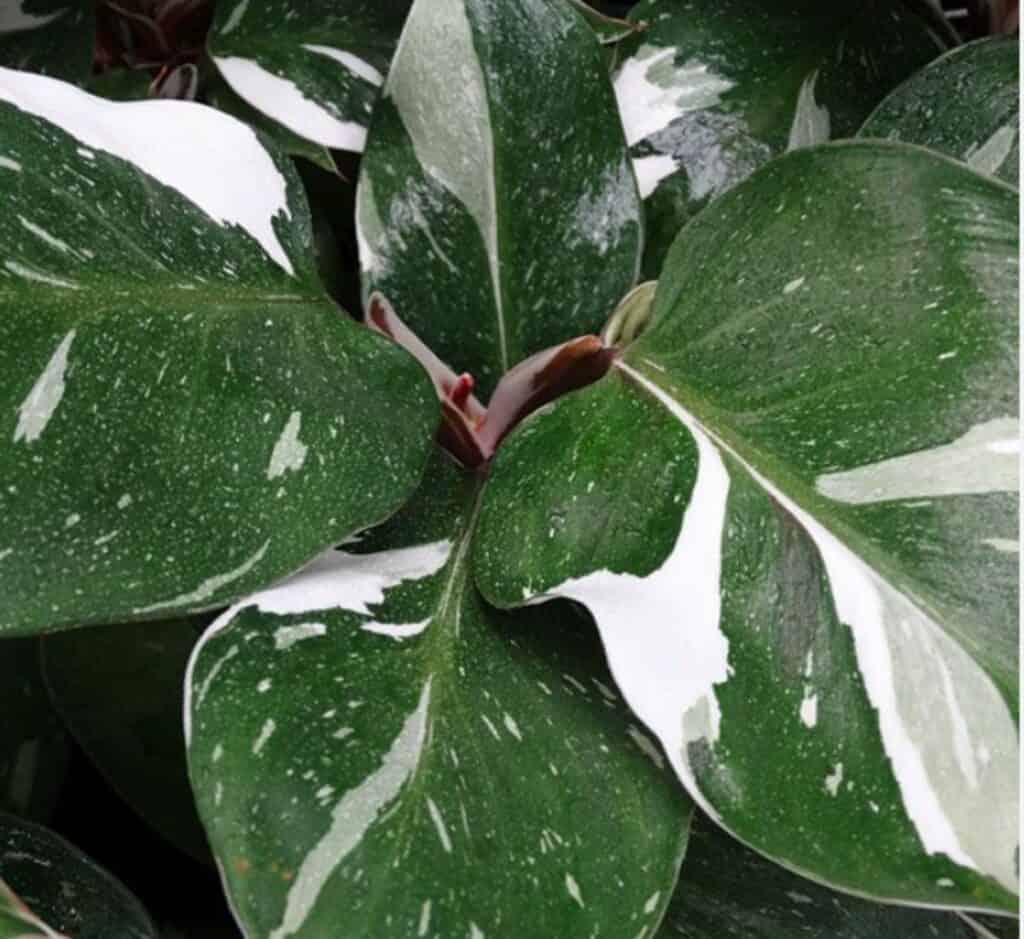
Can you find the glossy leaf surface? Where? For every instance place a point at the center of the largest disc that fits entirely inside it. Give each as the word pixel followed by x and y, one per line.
pixel 446 770
pixel 792 509
pixel 62 888
pixel 726 890
pixel 186 414
pixel 965 104
pixel 512 223
pixel 313 66
pixel 51 37
pixel 711 91
pixel 119 690
pixel 33 744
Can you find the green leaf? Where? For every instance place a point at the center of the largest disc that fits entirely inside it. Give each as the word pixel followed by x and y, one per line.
pixel 52 37
pixel 711 91
pixel 511 223
pixel 376 752
pixel 119 690
pixel 314 67
pixel 33 745
pixel 727 890
pixel 992 927
pixel 609 30
pixel 792 509
pixel 63 888
pixel 965 104
pixel 184 414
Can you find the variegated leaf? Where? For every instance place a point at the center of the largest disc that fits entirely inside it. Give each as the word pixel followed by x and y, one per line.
pixel 792 509
pixel 50 890
pixel 52 37
pixel 313 66
pixel 966 104
pixel 496 209
pixel 711 91
pixel 184 413
pixel 376 752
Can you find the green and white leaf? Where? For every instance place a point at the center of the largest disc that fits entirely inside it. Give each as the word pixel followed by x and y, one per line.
pixel 446 770
pixel 512 223
pixel 52 37
pixel 119 691
pixel 792 509
pixel 313 66
pixel 33 744
pixel 727 890
pixel 965 104
pixel 711 91
pixel 609 30
pixel 184 414
pixel 51 890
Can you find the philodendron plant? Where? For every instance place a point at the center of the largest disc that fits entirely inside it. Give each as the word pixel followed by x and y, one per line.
pixel 501 584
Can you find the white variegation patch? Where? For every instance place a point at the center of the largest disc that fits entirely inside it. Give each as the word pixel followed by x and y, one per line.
pixel 989 157
pixel 811 122
pixel 41 402
pixel 235 183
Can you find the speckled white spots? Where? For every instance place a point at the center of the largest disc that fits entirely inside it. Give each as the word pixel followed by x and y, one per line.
pixel 512 727
pixel 458 152
pixel 945 882
pixel 289 452
pixel 396 631
pixel 40 277
pixel 218 753
pixel 652 903
pixel 342 732
pixel 352 816
pixel 209 587
pixel 6 553
pixel 799 897
pixel 43 235
pixel 989 157
pixel 283 100
pixel 650 170
pixel 357 66
pixel 606 209
pixel 286 636
pixel 124 501
pixel 235 18
pixel 6 163
pixel 200 693
pixel 668 671
pixel 1003 545
pixel 13 18
pixel 72 520
pixel 424 924
pixel 475 932
pixel 438 819
pixel 794 285
pixel 264 686
pixel 834 780
pixel 573 888
pixel 811 123
pixel 809 708
pixel 266 730
pixel 106 539
pixel 985 459
pixel 45 395
pixel 652 91
pixel 647 746
pixel 490 726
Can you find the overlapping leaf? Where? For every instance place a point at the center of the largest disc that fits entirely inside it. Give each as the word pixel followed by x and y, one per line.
pixel 52 37
pixel 313 66
pixel 792 510
pixel 496 208
pixel 50 890
pixel 727 890
pixel 119 690
pixel 186 414
pixel 711 91
pixel 446 769
pixel 966 104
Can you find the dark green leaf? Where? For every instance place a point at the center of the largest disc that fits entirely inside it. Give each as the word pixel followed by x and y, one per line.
pixel 966 104
pixel 993 927
pixel 119 690
pixel 33 745
pixel 375 752
pixel 496 207
pixel 52 37
pixel 63 888
pixel 313 66
pixel 792 509
pixel 186 414
pixel 711 91
pixel 726 890
pixel 609 30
